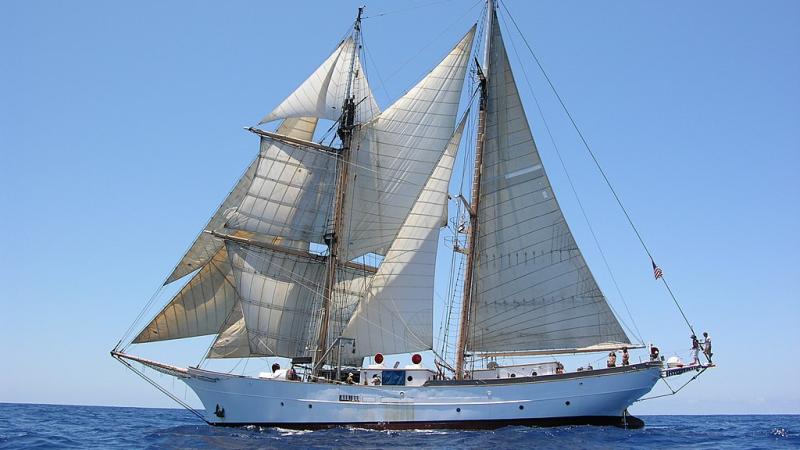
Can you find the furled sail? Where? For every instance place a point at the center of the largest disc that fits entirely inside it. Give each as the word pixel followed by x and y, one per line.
pixel 532 289
pixel 398 152
pixel 291 194
pixel 200 308
pixel 207 245
pixel 396 313
pixel 323 93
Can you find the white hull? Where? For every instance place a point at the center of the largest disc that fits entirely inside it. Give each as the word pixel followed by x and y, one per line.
pixel 600 396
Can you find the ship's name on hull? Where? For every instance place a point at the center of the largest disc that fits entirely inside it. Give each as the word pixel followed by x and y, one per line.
pixel 349 398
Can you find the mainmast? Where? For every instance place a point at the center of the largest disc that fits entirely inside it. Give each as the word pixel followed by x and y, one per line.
pixel 472 232
pixel 345 132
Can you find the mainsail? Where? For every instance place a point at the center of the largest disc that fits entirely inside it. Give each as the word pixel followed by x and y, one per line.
pixel 396 313
pixel 532 287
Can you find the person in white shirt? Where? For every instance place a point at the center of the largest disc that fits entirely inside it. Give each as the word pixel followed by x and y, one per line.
pixel 707 346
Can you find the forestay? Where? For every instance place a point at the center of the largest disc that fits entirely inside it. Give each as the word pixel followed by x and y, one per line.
pixel 397 153
pixel 323 93
pixel 532 289
pixel 396 313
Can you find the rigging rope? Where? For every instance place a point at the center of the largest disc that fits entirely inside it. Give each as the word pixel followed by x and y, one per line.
pixel 596 162
pixel 162 389
pixel 673 391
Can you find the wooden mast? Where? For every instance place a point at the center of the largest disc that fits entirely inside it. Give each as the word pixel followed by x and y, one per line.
pixel 345 132
pixel 472 233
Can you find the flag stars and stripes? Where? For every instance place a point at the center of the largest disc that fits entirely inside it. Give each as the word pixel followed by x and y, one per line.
pixel 657 272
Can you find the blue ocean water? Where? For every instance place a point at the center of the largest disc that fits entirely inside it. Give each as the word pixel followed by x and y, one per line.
pixel 54 426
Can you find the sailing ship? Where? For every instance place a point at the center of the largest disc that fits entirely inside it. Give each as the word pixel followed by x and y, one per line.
pixel 325 254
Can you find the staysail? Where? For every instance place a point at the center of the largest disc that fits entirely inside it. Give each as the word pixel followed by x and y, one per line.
pixel 396 313
pixel 200 308
pixel 532 287
pixel 397 154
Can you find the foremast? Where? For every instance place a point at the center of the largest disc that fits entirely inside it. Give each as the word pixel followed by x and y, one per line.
pixel 345 133
pixel 472 232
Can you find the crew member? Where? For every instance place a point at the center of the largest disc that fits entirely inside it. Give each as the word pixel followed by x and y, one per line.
pixel 376 380
pixel 707 346
pixel 612 359
pixel 350 378
pixel 653 353
pixel 695 350
pixel 625 356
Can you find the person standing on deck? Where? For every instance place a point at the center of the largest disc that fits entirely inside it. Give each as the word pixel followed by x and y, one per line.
pixel 707 346
pixel 612 359
pixel 625 356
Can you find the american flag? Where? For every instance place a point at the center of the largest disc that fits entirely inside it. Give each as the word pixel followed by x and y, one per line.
pixel 657 272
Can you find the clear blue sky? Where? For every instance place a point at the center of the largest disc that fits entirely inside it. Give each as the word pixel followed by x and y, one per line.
pixel 120 131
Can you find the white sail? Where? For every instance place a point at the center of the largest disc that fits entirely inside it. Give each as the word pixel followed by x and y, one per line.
pixel 200 308
pixel 397 154
pixel 206 245
pixel 291 194
pixel 396 313
pixel 323 93
pixel 232 341
pixel 279 293
pixel 533 289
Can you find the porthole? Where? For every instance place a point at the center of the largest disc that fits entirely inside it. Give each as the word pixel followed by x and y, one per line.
pixel 513 375
pixel 410 378
pixel 458 409
pixel 533 374
pixel 566 402
pixel 281 403
pixel 521 407
pixel 309 406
